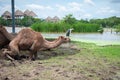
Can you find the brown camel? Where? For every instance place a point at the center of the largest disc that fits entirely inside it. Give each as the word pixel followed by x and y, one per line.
pixel 27 39
pixel 5 37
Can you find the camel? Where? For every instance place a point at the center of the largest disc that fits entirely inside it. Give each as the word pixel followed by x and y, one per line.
pixel 5 37
pixel 28 39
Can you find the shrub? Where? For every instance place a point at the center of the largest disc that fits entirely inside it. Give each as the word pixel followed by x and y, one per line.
pixel 62 27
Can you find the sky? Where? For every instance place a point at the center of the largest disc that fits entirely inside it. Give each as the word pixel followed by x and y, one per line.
pixel 80 9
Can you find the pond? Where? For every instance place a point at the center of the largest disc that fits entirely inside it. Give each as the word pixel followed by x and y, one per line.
pixel 107 38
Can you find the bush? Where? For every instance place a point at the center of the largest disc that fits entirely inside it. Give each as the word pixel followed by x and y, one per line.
pixel 63 27
pixel 117 28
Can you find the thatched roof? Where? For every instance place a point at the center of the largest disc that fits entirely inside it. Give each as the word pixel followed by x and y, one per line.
pixel 56 18
pixel 26 13
pixel 32 14
pixel 48 18
pixel 18 13
pixel 6 14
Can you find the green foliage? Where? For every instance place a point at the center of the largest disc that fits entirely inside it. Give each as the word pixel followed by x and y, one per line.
pixel 28 21
pixel 107 22
pixel 69 19
pixel 110 52
pixel 85 27
pixel 50 27
pixel 3 21
pixel 68 22
pixel 117 28
pixel 62 27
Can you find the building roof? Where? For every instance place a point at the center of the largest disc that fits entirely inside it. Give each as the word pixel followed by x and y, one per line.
pixel 48 18
pixel 26 13
pixel 32 14
pixel 18 13
pixel 56 18
pixel 6 14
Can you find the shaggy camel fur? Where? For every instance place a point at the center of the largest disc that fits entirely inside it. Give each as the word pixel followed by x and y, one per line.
pixel 27 39
pixel 5 37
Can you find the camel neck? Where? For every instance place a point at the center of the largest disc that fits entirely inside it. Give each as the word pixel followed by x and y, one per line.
pixel 7 35
pixel 52 44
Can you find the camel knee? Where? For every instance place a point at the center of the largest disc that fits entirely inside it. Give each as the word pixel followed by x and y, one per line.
pixel 14 49
pixel 6 54
pixel 33 55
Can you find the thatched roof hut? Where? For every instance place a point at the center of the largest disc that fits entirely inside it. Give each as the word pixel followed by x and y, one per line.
pixel 26 13
pixel 55 19
pixel 18 13
pixel 29 13
pixel 6 15
pixel 32 14
pixel 48 18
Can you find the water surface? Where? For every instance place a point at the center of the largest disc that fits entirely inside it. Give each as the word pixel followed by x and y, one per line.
pixel 107 38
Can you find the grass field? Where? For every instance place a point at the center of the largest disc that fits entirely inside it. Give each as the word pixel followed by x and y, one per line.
pixel 74 61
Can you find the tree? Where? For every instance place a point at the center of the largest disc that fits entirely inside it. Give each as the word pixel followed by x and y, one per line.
pixel 117 28
pixel 2 21
pixel 69 19
pixel 28 21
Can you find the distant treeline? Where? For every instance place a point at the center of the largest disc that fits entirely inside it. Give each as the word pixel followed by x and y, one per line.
pixel 69 21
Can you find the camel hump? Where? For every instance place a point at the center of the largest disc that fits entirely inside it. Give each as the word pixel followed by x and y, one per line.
pixel 25 30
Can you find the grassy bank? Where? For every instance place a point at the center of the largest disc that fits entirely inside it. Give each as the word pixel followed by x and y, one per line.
pixel 74 61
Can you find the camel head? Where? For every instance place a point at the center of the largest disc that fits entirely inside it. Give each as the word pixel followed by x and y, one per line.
pixel 64 39
pixel 2 28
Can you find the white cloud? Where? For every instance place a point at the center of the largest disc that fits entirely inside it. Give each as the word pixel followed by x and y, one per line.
pixel 74 6
pixel 87 15
pixel 38 7
pixel 34 6
pixel 106 10
pixel 70 7
pixel 61 8
pixel 89 2
pixel 49 8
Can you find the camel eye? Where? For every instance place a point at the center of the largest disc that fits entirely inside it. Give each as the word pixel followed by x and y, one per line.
pixel 65 38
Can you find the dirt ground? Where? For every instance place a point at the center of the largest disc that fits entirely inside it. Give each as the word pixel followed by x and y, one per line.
pixel 57 64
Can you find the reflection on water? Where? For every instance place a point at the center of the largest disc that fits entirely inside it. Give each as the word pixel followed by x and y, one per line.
pixel 105 38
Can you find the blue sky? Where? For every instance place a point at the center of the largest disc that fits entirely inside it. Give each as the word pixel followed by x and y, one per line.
pixel 81 9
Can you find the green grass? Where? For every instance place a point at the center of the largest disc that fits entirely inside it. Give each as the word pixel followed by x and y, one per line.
pixel 111 52
pixel 92 62
pixel 63 27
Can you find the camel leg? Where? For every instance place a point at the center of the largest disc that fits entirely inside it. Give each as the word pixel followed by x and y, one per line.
pixel 33 55
pixel 30 55
pixel 33 50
